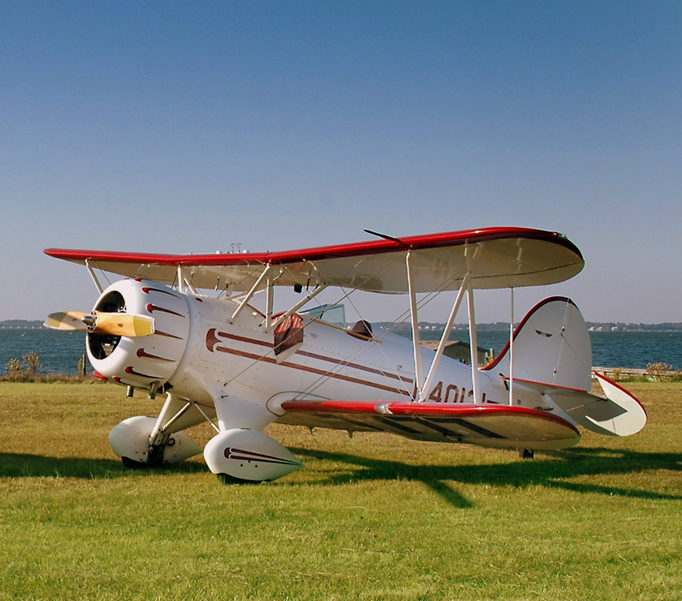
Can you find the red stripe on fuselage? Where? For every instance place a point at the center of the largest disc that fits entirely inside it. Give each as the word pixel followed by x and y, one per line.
pixel 312 370
pixel 341 362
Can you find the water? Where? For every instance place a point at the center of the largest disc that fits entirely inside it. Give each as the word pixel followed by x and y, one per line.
pixel 60 351
pixel 636 349
pixel 614 349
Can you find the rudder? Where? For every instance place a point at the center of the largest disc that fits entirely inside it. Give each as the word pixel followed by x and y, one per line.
pixel 551 344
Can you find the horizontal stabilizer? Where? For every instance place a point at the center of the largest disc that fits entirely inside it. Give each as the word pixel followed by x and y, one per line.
pixel 98 322
pixel 633 416
pixel 618 413
pixel 486 425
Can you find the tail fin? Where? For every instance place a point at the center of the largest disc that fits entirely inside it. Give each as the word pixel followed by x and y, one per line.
pixel 553 364
pixel 551 344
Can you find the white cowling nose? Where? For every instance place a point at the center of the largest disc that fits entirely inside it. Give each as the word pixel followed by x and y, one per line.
pixel 141 361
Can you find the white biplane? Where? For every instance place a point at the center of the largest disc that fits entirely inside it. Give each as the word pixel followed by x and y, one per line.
pixel 217 357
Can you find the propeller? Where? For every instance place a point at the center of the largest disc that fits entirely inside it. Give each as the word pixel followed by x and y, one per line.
pixel 99 322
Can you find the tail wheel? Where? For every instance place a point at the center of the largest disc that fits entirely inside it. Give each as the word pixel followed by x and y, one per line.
pixel 526 453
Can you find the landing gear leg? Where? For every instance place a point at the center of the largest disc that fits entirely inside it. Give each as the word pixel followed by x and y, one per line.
pixel 139 443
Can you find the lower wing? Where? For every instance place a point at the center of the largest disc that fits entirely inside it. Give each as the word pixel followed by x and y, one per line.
pixel 486 425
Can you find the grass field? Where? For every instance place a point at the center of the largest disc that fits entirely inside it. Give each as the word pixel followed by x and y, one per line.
pixel 371 517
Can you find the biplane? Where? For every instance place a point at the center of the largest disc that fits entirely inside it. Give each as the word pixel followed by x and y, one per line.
pixel 203 331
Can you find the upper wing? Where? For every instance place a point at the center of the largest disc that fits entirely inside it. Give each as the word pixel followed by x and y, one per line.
pixel 498 426
pixel 495 257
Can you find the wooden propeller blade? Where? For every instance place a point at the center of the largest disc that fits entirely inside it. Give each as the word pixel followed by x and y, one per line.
pixel 123 324
pixel 115 324
pixel 66 320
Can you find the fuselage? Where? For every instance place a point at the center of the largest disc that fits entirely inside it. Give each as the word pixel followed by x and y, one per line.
pixel 226 362
pixel 201 354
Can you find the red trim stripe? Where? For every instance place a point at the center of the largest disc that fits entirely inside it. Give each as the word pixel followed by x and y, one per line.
pixel 160 333
pixel 522 323
pixel 243 455
pixel 142 353
pixel 131 370
pixel 148 289
pixel 372 247
pixel 547 384
pixel 312 370
pixel 419 409
pixel 358 366
pixel 624 390
pixel 151 308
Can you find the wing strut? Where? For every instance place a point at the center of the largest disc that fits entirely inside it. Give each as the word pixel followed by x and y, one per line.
pixel 423 384
pixel 185 284
pixel 180 280
pixel 269 301
pixel 418 370
pixel 446 334
pixel 511 349
pixel 93 275
pixel 250 293
pixel 473 338
pixel 298 305
pixel 473 343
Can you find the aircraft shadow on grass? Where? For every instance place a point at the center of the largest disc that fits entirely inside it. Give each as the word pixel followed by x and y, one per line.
pixel 551 473
pixel 21 465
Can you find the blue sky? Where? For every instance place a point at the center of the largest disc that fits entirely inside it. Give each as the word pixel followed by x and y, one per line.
pixel 187 126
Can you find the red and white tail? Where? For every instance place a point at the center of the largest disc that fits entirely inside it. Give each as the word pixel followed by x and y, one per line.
pixel 551 344
pixel 552 357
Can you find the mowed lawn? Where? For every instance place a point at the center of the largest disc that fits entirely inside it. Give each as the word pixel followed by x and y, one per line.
pixel 368 517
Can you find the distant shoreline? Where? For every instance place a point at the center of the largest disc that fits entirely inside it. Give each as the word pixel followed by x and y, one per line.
pixel 21 324
pixel 434 328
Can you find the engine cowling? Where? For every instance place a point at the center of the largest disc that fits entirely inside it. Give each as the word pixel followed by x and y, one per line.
pixel 141 361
